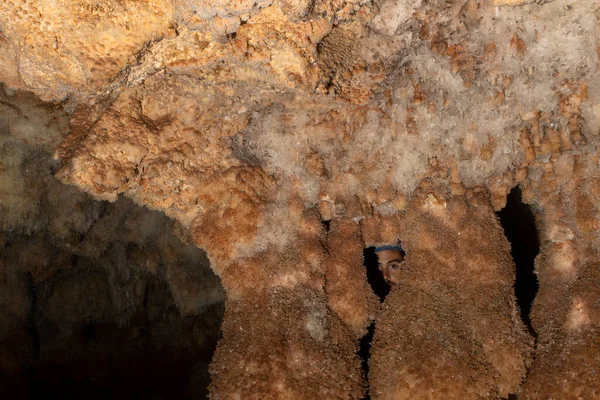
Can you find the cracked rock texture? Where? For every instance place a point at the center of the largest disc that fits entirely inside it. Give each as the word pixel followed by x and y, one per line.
pixel 249 123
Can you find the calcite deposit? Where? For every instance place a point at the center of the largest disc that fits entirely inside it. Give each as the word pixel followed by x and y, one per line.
pixel 453 311
pixel 285 136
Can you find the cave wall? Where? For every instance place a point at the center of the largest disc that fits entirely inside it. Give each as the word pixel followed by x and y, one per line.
pixel 250 123
pixel 95 296
pixel 280 339
pixel 451 327
pixel 565 312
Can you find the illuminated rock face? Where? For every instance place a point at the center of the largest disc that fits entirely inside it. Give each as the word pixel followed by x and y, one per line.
pixel 566 310
pixel 250 123
pixel 455 297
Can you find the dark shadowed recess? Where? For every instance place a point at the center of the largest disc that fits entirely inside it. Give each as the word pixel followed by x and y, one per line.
pixel 518 222
pixel 364 353
pixel 374 275
pixel 381 289
pixel 326 225
pixel 155 354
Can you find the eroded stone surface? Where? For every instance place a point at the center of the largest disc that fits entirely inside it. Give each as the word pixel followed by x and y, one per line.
pixel 455 297
pixel 243 119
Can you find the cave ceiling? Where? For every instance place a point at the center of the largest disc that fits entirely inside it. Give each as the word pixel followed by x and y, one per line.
pixel 191 108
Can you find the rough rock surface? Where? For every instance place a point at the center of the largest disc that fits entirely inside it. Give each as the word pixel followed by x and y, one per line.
pixel 451 328
pixel 247 122
pixel 93 295
pixel 566 312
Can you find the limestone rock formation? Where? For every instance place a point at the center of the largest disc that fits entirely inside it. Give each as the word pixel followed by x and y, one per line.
pixel 451 327
pixel 285 136
pixel 93 296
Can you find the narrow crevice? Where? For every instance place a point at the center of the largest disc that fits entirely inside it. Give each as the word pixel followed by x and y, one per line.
pixel 326 225
pixel 374 275
pixel 364 352
pixel 518 221
pixel 29 365
pixel 381 288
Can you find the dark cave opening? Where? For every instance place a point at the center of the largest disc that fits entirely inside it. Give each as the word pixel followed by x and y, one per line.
pixel 130 309
pixel 374 276
pixel 381 288
pixel 518 221
pixel 156 354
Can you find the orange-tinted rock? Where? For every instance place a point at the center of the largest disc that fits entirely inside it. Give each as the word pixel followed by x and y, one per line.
pixel 245 120
pixel 451 328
